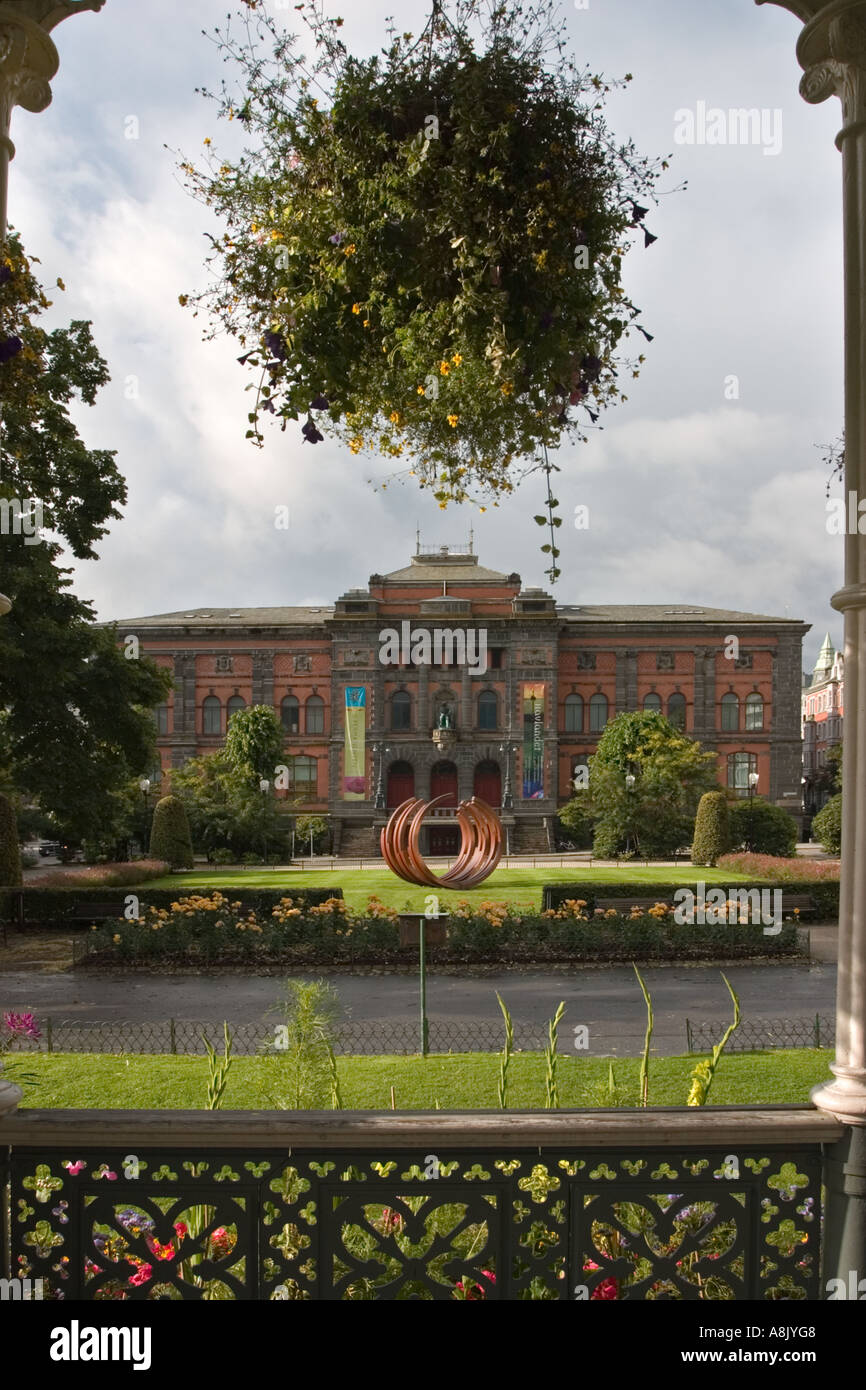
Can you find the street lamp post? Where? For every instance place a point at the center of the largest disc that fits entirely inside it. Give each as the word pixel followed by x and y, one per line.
pixel 264 788
pixel 753 786
pixel 831 49
pixel 629 786
pixel 144 787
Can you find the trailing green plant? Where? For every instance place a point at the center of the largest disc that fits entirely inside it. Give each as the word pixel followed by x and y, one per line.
pixel 425 258
pixel 169 835
pixel 645 1056
pixel 702 1076
pixel 550 1059
pixel 505 1059
pixel 711 835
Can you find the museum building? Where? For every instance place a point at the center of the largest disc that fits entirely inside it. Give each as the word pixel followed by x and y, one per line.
pixel 447 679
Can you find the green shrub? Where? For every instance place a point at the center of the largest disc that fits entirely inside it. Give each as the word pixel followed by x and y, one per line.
pixel 169 835
pixel 711 836
pixel 222 856
pixel 824 893
pixel 52 907
pixel 827 825
pixel 10 855
pixel 762 827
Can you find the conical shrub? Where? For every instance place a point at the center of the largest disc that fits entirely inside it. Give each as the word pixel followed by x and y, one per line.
pixel 712 836
pixel 10 855
pixel 170 837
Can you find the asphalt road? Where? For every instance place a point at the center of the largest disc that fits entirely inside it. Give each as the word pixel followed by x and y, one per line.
pixel 606 1000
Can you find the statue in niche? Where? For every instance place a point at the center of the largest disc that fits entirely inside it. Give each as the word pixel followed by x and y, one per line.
pixel 446 720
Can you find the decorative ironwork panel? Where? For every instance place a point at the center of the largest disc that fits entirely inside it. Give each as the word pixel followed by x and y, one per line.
pixel 347 1226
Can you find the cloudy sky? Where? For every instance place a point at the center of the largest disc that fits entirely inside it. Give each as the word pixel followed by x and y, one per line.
pixel 694 498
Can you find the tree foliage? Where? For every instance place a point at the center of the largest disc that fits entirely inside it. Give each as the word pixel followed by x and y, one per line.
pixel 10 854
pixel 827 825
pixel 226 810
pixel 758 825
pixel 254 743
pixel 671 772
pixel 422 251
pixel 76 717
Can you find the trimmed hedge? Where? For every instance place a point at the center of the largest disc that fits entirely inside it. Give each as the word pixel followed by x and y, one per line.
pixel 10 854
pixel 373 941
pixel 712 834
pixel 824 893
pixel 52 907
pixel 170 837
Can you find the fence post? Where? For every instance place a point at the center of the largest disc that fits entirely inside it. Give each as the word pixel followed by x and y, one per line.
pixel 688 1035
pixel 48 1037
pixel 817 1030
pixel 172 1036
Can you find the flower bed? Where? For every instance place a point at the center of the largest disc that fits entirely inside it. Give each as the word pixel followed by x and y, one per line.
pixel 822 889
pixel 216 929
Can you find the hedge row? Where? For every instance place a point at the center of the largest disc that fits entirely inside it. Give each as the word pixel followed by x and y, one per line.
pixel 330 940
pixel 53 907
pixel 824 894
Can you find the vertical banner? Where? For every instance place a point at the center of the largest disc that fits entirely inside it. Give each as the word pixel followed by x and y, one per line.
pixel 533 742
pixel 354 753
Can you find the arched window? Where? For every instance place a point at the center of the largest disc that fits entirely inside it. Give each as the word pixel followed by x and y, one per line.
pixel 289 716
pixel 211 715
pixel 677 710
pixel 237 702
pixel 740 766
pixel 314 715
pixel 488 710
pixel 160 715
pixel 401 710
pixel 754 711
pixel 652 703
pixel 302 777
pixel 574 714
pixel 730 711
pixel 597 713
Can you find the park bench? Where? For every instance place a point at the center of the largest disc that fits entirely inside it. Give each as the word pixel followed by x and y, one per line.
pixel 105 911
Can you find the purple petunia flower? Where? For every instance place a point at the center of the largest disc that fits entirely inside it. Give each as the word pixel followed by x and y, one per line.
pixel 276 345
pixel 337 238
pixel 311 434
pixel 5 274
pixel 319 403
pixel 9 348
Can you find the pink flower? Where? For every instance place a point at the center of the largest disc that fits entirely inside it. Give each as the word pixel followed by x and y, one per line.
pixel 21 1025
pixel 144 1275
pixel 75 1168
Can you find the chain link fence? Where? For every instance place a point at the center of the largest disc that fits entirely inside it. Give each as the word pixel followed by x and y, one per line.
pixel 761 1034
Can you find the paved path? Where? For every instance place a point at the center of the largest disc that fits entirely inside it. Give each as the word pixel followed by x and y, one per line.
pixel 606 999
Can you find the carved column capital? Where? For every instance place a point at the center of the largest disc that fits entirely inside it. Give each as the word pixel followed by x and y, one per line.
pixel 28 56
pixel 831 50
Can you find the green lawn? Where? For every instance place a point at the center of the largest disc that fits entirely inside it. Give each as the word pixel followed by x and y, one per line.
pixel 521 885
pixel 463 1081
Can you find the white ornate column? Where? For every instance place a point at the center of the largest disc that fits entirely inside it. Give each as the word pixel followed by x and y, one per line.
pixel 832 52
pixel 28 61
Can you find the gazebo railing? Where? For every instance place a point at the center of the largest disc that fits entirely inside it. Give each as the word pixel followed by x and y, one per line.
pixel 715 1204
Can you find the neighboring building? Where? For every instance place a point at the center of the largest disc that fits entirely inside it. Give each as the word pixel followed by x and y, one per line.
pixel 362 735
pixel 823 701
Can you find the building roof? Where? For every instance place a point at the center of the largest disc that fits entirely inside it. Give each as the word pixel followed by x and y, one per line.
pixel 232 617
pixel 665 613
pixel 446 563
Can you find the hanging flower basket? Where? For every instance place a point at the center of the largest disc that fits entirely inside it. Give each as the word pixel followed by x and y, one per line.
pixel 423 250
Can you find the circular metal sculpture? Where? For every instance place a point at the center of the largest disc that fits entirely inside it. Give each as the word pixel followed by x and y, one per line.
pixel 480 848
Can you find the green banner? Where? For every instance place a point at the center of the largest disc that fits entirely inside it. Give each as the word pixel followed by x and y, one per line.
pixel 533 742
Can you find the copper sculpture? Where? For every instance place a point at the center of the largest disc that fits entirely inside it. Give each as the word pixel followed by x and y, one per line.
pixel 480 846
